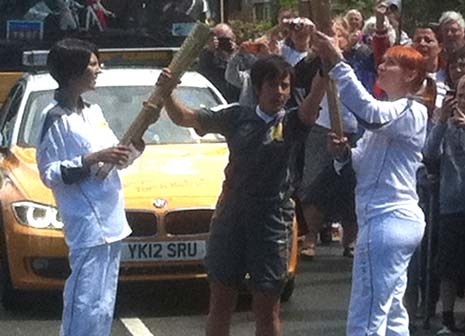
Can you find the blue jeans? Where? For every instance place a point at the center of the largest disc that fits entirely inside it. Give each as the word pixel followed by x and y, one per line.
pixel 384 247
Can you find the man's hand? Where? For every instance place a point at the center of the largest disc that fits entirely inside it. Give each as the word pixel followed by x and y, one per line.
pixel 381 7
pixel 380 12
pixel 166 82
pixel 458 118
pixel 449 104
pixel 338 146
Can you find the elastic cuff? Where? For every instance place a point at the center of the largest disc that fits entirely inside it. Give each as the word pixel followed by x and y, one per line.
pixel 72 175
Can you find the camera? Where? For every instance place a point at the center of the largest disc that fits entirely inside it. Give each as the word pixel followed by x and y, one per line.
pixel 296 26
pixel 225 43
pixel 298 23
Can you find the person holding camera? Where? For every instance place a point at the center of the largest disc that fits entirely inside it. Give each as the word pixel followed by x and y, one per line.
pixel 279 34
pixel 238 68
pixel 214 60
pixel 301 30
pixel 324 196
pixel 446 143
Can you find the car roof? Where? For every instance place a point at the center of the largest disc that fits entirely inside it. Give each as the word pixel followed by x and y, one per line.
pixel 119 77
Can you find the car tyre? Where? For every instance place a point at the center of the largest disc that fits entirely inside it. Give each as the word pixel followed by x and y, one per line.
pixel 8 295
pixel 288 290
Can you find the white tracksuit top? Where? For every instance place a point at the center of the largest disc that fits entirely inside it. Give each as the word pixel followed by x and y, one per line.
pixel 92 209
pixel 388 155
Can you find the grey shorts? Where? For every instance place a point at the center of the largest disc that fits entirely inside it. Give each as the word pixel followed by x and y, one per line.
pixel 253 240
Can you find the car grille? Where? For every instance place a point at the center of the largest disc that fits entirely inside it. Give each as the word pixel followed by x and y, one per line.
pixel 186 222
pixel 143 224
pixel 54 268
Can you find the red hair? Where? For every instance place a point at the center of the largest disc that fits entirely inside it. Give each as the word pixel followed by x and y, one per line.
pixel 409 59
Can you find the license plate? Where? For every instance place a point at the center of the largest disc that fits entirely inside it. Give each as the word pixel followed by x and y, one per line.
pixel 164 251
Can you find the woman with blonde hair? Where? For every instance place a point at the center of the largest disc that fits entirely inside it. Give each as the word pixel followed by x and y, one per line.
pixel 354 20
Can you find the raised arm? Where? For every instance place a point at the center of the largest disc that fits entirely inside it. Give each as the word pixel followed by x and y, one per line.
pixel 179 113
pixel 233 74
pixel 372 114
pixel 309 109
pixel 368 110
pixel 434 141
pixel 380 42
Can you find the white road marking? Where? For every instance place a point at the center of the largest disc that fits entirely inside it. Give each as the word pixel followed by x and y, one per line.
pixel 136 327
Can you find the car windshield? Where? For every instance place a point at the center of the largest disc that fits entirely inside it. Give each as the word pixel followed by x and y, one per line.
pixel 121 105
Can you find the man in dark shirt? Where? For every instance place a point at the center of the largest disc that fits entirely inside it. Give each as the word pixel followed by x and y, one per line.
pixel 251 227
pixel 323 195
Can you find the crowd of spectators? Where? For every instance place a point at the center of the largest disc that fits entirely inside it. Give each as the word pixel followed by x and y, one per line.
pixel 324 195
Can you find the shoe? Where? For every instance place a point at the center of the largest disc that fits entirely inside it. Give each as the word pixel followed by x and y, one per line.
pixel 307 253
pixel 461 292
pixel 444 331
pixel 348 252
pixel 447 330
pixel 461 326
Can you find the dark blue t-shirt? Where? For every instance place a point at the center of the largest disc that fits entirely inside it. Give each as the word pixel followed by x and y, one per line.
pixel 262 155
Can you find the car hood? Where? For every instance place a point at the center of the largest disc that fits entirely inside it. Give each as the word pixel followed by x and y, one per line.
pixel 184 175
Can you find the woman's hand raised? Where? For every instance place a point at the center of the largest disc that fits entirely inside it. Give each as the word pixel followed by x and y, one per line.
pixel 326 47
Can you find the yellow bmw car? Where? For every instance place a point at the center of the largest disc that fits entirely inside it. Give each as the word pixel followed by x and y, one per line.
pixel 170 191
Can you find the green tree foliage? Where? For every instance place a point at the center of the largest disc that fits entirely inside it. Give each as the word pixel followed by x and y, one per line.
pixel 249 30
pixel 417 12
pixel 288 3
pixel 364 6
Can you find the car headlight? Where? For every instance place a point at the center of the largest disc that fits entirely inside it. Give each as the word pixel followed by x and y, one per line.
pixel 37 215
